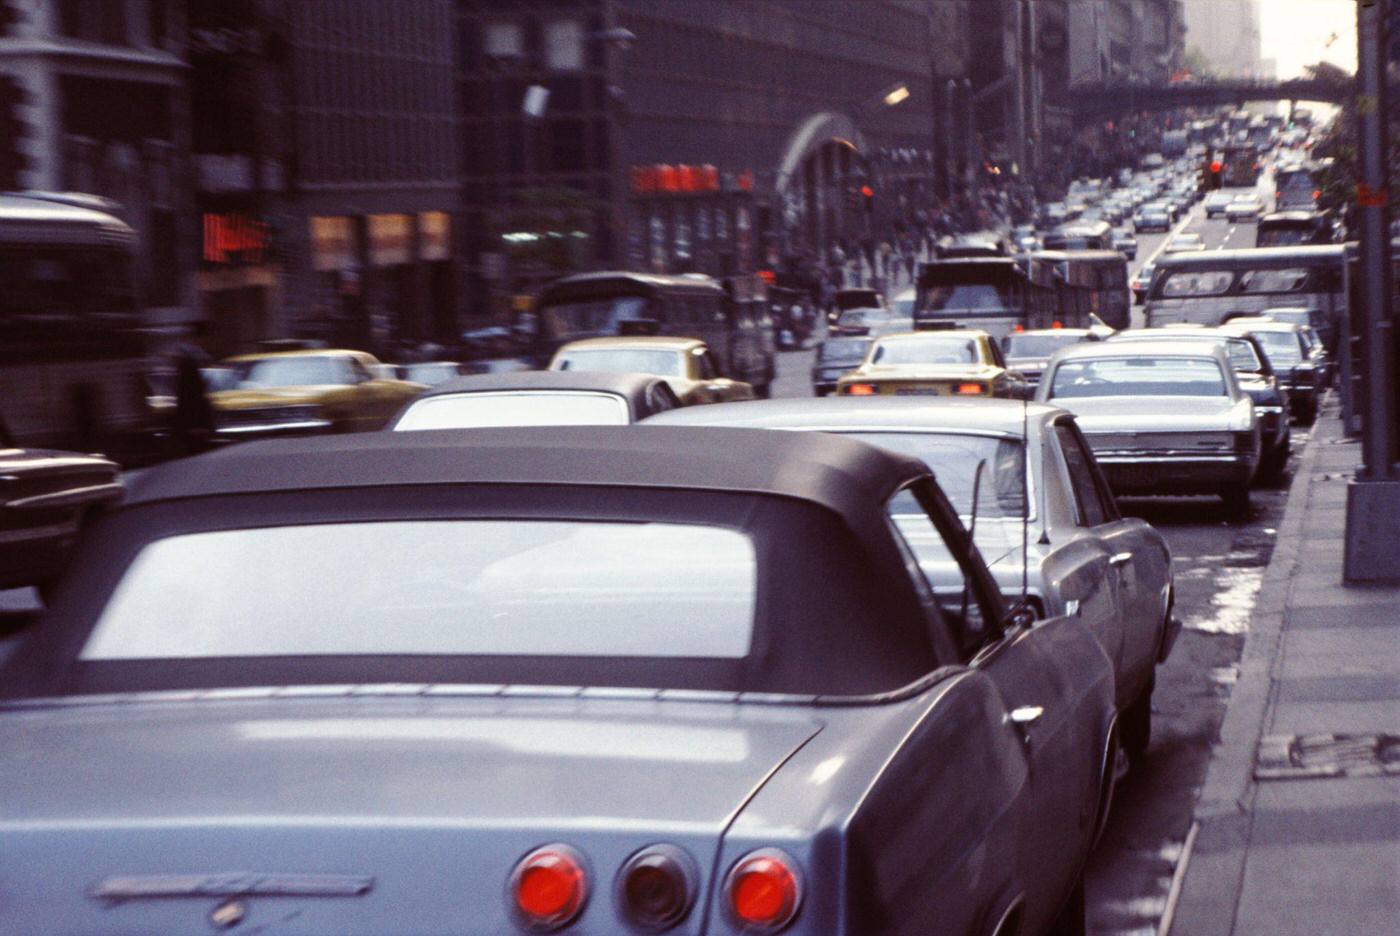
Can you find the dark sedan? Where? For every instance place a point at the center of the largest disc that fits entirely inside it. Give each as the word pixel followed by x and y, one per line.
pixel 44 498
pixel 600 680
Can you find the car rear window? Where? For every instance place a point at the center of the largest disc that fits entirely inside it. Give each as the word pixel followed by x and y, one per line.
pixel 437 588
pixel 533 408
pixel 1138 376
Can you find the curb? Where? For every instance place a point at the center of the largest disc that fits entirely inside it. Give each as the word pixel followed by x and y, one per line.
pixel 1210 891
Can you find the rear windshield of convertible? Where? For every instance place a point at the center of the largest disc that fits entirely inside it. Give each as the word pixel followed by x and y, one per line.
pixel 467 587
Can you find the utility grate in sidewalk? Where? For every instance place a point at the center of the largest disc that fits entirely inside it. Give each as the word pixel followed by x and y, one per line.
pixel 1317 756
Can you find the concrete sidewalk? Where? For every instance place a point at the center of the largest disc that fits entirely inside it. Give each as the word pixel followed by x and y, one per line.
pixel 1297 829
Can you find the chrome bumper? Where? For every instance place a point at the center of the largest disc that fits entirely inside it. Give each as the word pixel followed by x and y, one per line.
pixel 260 430
pixel 1175 472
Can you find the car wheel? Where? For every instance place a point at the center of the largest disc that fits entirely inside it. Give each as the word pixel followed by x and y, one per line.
pixel 764 392
pixel 1308 415
pixel 822 391
pixel 1274 461
pixel 1236 500
pixel 1071 921
pixel 1137 726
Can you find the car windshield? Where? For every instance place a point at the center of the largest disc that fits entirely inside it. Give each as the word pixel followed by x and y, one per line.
pixel 293 371
pixel 565 320
pixel 1036 346
pixel 971 296
pixel 843 349
pixel 1144 376
pixel 435 588
pixel 1282 347
pixel 1185 283
pixel 954 460
pixel 519 408
pixel 1278 235
pixel 622 361
pixel 931 349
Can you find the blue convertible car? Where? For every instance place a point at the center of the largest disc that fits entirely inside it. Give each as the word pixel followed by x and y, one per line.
pixel 535 680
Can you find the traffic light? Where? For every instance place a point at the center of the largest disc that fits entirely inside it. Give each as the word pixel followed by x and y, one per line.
pixel 867 197
pixel 1214 175
pixel 13 162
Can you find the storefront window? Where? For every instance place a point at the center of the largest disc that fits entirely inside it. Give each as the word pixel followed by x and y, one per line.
pixel 658 243
pixel 682 233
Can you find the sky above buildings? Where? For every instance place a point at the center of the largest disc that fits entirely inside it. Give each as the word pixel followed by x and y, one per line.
pixel 1303 32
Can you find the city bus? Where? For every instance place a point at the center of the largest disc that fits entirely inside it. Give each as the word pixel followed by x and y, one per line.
pixel 1213 286
pixel 73 356
pixel 1296 187
pixel 997 294
pixel 1293 228
pixel 1240 166
pixel 1091 282
pixel 731 317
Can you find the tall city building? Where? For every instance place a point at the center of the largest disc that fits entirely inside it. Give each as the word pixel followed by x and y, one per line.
pixel 1226 35
pixel 324 143
pixel 686 135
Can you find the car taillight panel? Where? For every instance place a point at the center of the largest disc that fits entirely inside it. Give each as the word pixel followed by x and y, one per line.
pixel 970 389
pixel 861 389
pixel 548 888
pixel 657 887
pixel 763 891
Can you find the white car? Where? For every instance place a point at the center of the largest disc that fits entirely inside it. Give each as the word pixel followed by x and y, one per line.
pixel 1162 417
pixel 1216 203
pixel 1244 208
pixel 1185 241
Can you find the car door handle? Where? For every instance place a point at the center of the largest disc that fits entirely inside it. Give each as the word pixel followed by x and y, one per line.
pixel 1120 559
pixel 1021 718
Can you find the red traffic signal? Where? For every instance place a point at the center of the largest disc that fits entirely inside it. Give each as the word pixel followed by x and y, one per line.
pixel 1216 166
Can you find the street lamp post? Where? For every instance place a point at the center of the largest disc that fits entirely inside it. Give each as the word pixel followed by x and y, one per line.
pixel 1373 498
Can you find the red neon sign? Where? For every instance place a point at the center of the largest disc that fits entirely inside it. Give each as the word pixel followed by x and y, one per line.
pixel 230 237
pixel 647 180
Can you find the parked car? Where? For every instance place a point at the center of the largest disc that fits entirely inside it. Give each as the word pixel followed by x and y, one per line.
pixel 1187 240
pixel 45 497
pixel 1216 202
pixel 687 364
pixel 1125 242
pixel 305 392
pixel 1141 281
pixel 1255 376
pixel 1297 357
pixel 697 691
pixel 538 398
pixel 1246 207
pixel 1084 557
pixel 836 356
pixel 963 362
pixel 1027 352
pixel 1162 417
pixel 1152 219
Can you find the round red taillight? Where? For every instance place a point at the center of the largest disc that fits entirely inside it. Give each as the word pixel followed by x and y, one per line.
pixel 656 887
pixel 548 888
pixel 763 890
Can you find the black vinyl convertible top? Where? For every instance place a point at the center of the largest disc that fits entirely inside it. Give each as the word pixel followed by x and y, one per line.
pixel 843 475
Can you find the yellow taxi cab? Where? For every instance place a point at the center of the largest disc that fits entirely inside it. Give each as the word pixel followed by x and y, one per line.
pixel 299 392
pixel 687 364
pixel 966 363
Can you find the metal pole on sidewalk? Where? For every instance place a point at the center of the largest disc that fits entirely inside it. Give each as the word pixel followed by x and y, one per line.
pixel 1373 499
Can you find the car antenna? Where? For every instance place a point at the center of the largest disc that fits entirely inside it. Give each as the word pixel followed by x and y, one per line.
pixel 972 532
pixel 1025 500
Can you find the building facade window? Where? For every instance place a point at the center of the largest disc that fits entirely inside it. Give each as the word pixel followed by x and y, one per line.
pixel 563 45
pixel 505 40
